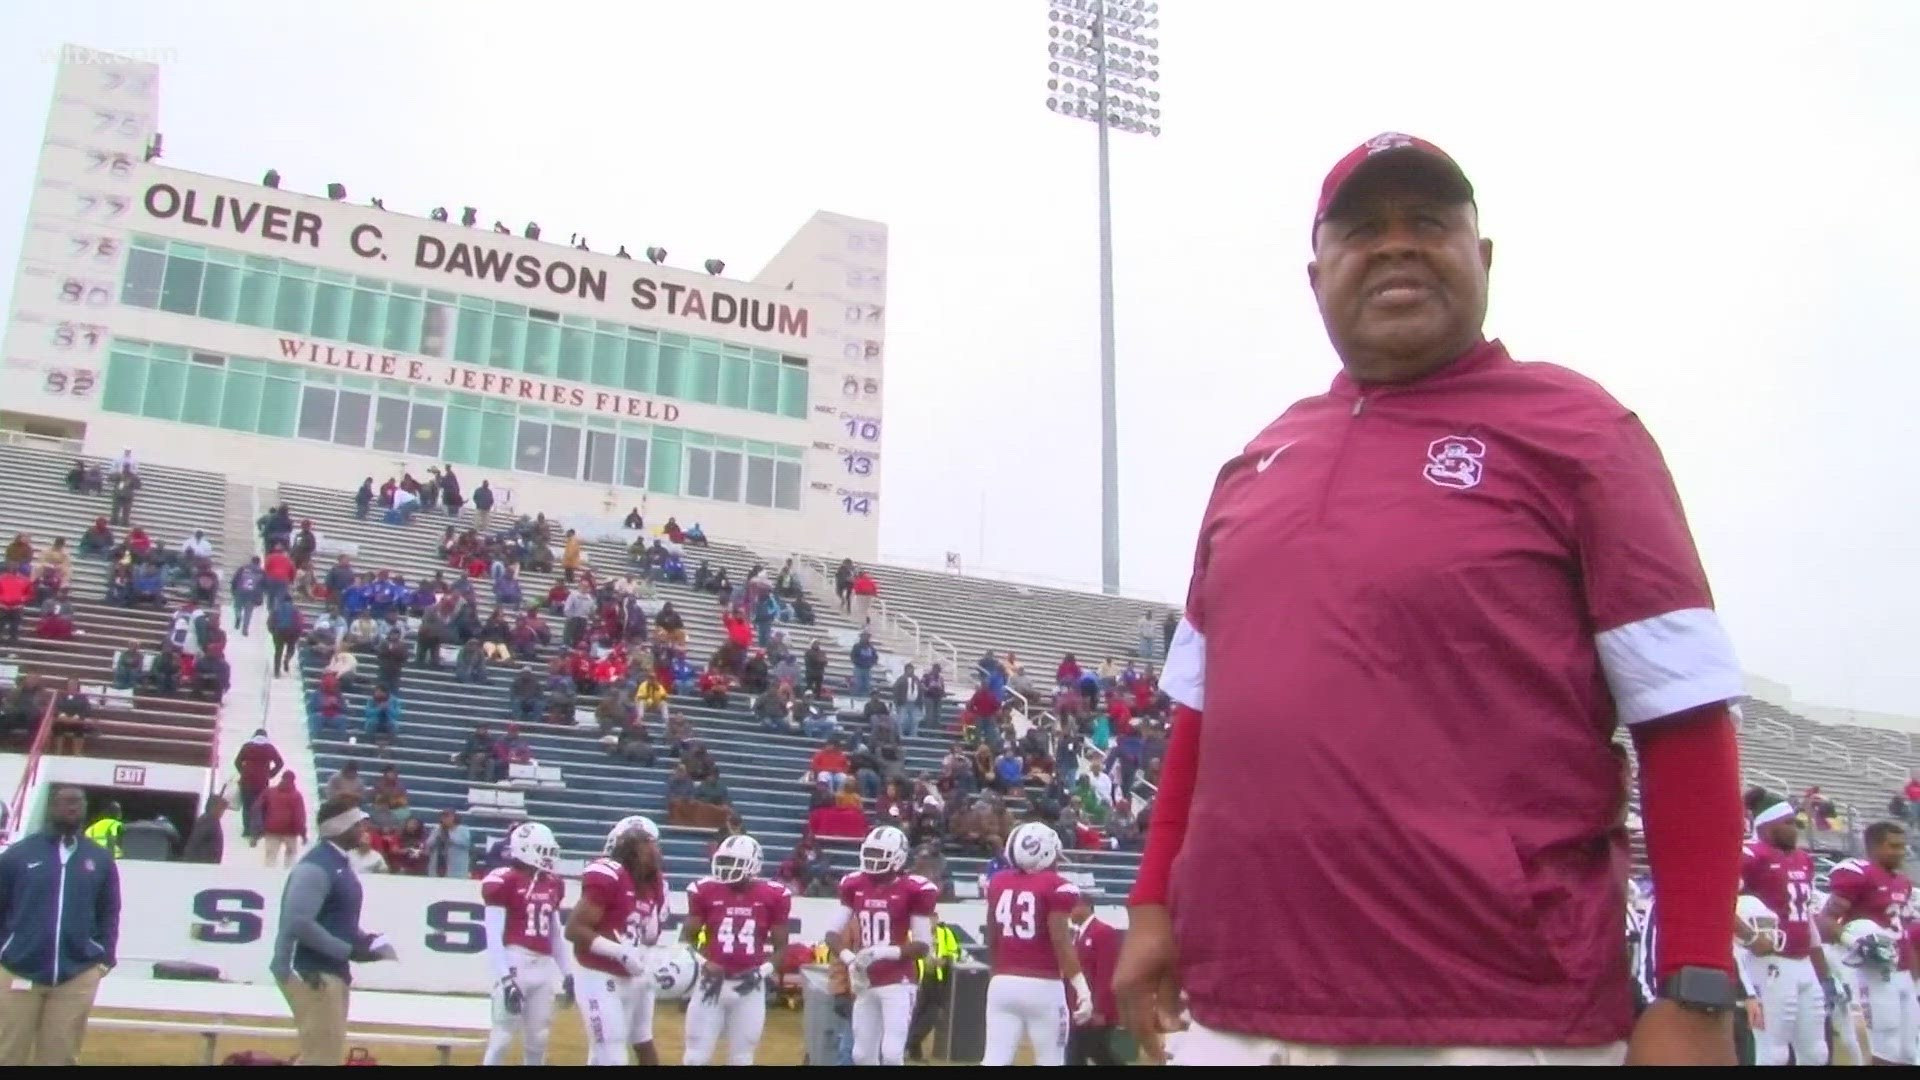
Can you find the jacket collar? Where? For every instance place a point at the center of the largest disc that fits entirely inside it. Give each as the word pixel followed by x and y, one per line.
pixel 1484 354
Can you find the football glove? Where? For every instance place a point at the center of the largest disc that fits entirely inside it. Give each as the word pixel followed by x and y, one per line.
pixel 1082 1000
pixel 710 983
pixel 565 998
pixel 512 998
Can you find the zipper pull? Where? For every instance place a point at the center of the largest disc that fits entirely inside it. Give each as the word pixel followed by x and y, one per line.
pixel 1358 404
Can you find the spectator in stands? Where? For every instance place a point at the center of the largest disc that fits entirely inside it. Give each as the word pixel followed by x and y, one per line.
pixel 363 499
pixel 470 664
pixel 365 858
pixel 279 570
pixel 15 592
pixel 908 701
pixel 679 785
pixel 449 847
pixel 712 792
pixel 843 584
pixel 20 709
pixel 212 675
pixel 282 814
pixel 327 708
pixel 284 623
pixel 525 698
pixel 206 839
pixel 72 719
pixel 166 671
pixel 830 766
pixel 477 757
pixel 634 745
pixel 247 586
pixel 863 656
pixel 1009 771
pixel 97 541
pixel 257 763
pixel 392 660
pixel 56 562
pixel 774 710
pixel 20 552
pixel 407 850
pixel 381 721
pixel 56 618
pixel 129 665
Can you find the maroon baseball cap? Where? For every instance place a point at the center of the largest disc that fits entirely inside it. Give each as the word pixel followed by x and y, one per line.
pixel 1394 148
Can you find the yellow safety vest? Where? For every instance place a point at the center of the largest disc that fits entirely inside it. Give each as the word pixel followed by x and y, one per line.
pixel 106 833
pixel 946 946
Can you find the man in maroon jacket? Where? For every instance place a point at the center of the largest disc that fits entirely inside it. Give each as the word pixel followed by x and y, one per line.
pixel 257 762
pixel 1423 604
pixel 1099 948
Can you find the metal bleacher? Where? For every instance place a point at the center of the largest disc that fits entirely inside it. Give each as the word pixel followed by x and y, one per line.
pixel 762 771
pixel 171 503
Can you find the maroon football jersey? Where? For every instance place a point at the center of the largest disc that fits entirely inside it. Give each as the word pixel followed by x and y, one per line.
pixel 1018 905
pixel 739 920
pixel 884 907
pixel 1877 895
pixel 608 884
pixel 1783 880
pixel 532 901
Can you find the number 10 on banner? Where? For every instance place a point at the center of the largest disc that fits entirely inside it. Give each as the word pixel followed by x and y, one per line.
pixel 864 430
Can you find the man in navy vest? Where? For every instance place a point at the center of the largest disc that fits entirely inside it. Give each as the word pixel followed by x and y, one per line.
pixel 60 924
pixel 320 936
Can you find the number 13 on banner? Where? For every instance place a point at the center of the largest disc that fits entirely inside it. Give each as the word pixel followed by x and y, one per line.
pixel 858 464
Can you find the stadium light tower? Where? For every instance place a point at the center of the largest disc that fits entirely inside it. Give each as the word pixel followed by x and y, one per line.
pixel 1106 60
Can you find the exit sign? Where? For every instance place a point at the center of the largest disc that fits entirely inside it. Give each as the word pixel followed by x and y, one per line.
pixel 130 775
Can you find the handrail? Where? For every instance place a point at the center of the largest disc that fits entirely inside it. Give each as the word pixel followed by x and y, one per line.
pixel 1833 749
pixel 1769 781
pixel 1769 728
pixel 36 749
pixel 1878 768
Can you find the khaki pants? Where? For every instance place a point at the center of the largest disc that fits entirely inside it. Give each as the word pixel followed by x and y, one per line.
pixel 320 1015
pixel 1203 1046
pixel 45 1025
pixel 281 848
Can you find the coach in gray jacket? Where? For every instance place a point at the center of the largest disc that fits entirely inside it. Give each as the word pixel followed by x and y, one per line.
pixel 59 929
pixel 320 936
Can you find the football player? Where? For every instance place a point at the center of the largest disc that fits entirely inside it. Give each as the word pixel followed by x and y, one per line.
pixel 1844 1020
pixel 890 916
pixel 745 924
pixel 1863 914
pixel 1031 940
pixel 525 945
pixel 610 925
pixel 1777 941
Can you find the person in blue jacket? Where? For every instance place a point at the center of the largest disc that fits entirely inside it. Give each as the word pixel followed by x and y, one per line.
pixel 59 932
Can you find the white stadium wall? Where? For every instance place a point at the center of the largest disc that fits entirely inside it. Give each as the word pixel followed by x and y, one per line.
pixel 227 916
pixel 759 404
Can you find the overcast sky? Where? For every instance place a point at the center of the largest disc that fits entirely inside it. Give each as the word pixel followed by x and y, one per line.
pixel 1706 207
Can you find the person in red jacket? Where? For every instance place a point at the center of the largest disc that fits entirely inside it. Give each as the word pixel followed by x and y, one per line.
pixel 283 820
pixel 1098 945
pixel 15 590
pixel 257 762
pixel 278 569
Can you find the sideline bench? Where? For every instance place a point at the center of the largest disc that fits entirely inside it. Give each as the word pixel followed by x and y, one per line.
pixel 235 1009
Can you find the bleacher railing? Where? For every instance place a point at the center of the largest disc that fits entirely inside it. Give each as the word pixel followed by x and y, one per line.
pixel 1830 750
pixel 1769 729
pixel 37 749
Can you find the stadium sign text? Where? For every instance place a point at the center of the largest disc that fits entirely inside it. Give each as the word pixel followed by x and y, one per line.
pixel 445 375
pixel 531 271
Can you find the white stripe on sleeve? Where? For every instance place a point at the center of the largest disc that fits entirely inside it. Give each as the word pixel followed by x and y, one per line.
pixel 1184 678
pixel 1667 664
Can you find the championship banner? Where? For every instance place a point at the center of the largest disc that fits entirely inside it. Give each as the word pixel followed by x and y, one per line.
pixel 227 917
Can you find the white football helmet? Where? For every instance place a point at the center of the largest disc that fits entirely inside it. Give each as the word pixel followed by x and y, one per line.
pixel 884 851
pixel 1869 945
pixel 1033 847
pixel 532 844
pixel 673 969
pixel 626 825
pixel 737 859
pixel 1759 919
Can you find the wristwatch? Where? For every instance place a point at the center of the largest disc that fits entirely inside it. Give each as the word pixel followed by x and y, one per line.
pixel 1700 989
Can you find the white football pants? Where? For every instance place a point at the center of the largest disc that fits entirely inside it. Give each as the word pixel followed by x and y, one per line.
pixel 1200 1045
pixel 1886 998
pixel 881 1016
pixel 1793 1011
pixel 743 1016
pixel 539 979
pixel 617 1013
pixel 1022 1005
